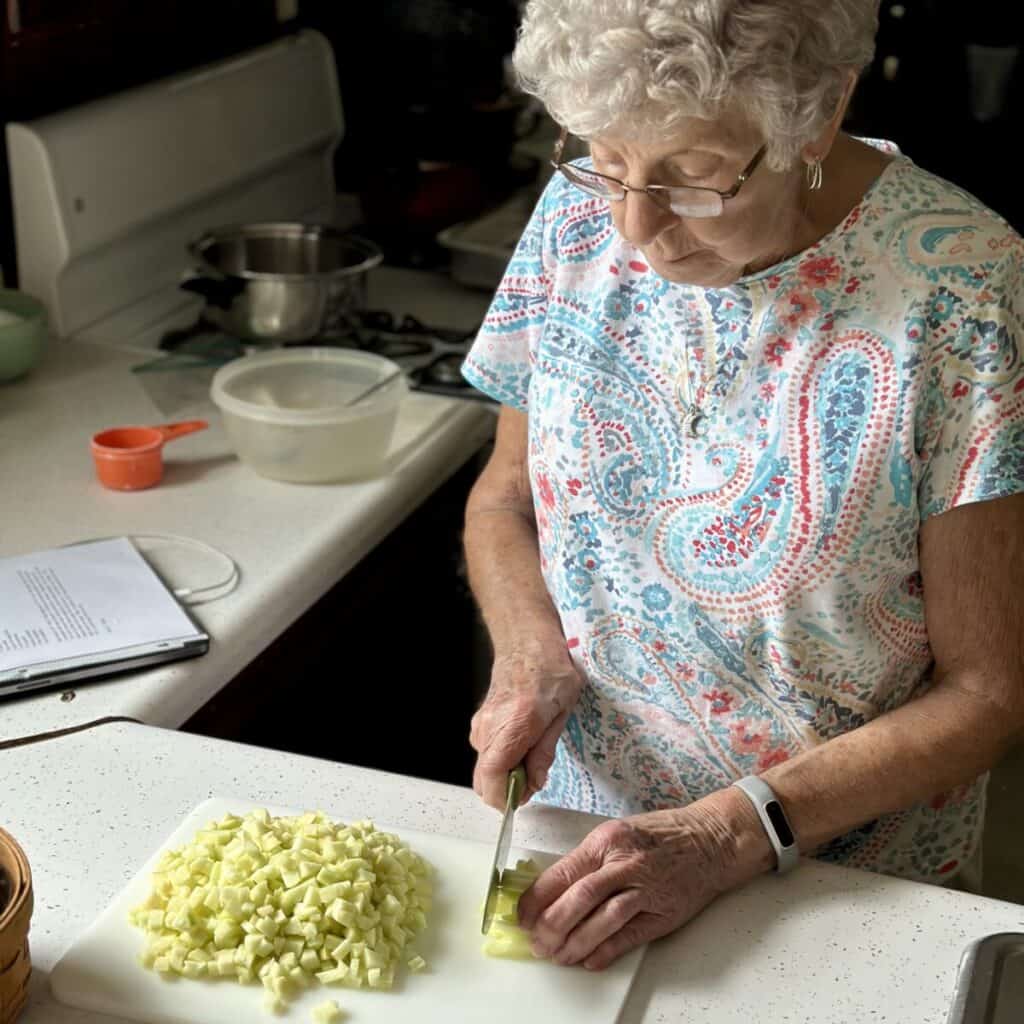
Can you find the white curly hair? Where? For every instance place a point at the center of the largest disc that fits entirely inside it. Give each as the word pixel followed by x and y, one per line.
pixel 644 65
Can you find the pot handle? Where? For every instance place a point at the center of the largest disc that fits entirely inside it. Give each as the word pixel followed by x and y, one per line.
pixel 218 291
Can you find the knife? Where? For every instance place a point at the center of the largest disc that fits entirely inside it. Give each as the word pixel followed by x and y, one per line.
pixel 516 787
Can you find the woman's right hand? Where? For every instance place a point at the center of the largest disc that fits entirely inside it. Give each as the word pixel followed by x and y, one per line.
pixel 529 700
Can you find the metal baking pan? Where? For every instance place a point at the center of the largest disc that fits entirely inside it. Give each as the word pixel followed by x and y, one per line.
pixel 990 982
pixel 482 248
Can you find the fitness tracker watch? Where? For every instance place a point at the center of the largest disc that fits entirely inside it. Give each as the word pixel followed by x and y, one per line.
pixel 773 817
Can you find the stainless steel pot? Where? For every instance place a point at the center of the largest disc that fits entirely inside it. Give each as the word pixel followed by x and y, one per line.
pixel 280 282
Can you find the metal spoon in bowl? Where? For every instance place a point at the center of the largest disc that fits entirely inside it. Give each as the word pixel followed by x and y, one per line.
pixel 375 387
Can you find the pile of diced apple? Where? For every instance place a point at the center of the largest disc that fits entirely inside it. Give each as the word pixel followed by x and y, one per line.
pixel 289 902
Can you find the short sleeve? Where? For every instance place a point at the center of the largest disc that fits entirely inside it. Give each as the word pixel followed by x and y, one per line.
pixel 970 421
pixel 500 361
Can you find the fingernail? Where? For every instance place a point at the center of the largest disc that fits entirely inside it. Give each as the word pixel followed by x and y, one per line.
pixel 538 950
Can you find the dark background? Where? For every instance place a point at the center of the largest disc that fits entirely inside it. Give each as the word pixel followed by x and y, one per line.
pixel 926 108
pixel 421 82
pixel 58 53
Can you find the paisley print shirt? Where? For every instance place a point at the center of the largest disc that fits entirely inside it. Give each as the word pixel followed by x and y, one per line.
pixel 735 598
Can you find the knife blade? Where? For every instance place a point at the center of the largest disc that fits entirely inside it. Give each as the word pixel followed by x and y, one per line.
pixel 514 792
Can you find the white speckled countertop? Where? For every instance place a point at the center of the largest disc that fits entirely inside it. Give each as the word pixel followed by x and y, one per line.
pixel 823 945
pixel 291 542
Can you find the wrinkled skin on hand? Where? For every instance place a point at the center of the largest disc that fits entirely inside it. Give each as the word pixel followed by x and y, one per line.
pixel 630 881
pixel 529 700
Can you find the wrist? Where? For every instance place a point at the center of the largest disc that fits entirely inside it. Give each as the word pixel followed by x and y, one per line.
pixel 532 642
pixel 541 668
pixel 744 848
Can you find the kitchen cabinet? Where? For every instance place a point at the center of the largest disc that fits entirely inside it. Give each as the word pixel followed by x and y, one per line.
pixel 385 670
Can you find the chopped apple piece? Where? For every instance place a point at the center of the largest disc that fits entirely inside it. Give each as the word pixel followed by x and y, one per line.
pixel 505 939
pixel 328 1013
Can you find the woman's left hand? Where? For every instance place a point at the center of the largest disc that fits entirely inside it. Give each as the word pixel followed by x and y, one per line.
pixel 630 881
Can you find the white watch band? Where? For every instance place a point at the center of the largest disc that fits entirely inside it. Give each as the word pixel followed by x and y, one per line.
pixel 774 820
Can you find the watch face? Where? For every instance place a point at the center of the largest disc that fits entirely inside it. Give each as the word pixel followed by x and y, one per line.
pixel 779 823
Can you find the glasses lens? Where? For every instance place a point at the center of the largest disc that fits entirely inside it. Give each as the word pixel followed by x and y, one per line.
pixel 694 202
pixel 595 184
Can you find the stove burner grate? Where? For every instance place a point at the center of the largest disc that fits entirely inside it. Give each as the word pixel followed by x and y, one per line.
pixel 431 356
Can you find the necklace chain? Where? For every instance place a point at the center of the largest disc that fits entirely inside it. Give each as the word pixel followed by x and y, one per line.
pixel 696 418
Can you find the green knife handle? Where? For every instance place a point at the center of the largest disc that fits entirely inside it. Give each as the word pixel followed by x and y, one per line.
pixel 516 786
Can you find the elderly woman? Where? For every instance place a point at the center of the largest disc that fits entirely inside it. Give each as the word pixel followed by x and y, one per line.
pixel 750 547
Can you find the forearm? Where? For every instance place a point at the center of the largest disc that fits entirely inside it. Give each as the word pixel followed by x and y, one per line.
pixel 972 560
pixel 946 738
pixel 504 573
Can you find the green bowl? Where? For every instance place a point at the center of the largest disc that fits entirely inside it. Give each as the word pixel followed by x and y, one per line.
pixel 21 342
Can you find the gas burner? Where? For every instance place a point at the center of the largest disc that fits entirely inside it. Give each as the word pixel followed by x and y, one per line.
pixel 381 320
pixel 445 370
pixel 395 346
pixel 431 356
pixel 179 337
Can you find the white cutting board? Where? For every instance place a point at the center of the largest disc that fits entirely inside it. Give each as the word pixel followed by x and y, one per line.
pixel 101 970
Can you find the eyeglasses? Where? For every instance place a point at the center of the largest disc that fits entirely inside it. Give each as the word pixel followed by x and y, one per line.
pixel 683 201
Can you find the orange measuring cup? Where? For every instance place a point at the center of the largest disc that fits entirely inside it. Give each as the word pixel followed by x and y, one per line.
pixel 131 458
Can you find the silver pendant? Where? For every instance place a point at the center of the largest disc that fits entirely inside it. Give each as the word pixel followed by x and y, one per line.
pixel 697 424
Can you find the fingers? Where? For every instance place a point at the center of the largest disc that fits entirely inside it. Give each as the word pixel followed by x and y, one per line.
pixel 493 767
pixel 541 757
pixel 487 768
pixel 644 927
pixel 611 917
pixel 553 882
pixel 503 749
pixel 520 720
pixel 475 728
pixel 586 896
pixel 478 782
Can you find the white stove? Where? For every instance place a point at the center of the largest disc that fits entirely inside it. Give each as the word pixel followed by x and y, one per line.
pixel 107 195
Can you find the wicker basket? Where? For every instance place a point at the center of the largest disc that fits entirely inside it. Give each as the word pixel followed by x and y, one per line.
pixel 15 966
